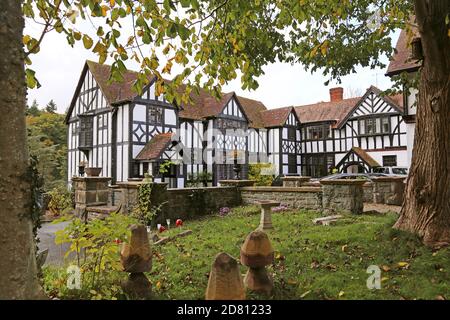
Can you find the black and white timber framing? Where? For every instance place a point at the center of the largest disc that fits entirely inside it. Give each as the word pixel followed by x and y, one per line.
pixel 110 134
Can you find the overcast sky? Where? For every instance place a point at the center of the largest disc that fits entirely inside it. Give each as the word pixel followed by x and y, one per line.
pixel 58 68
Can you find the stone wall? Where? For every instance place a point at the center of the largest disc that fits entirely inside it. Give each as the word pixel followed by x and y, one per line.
pixel 343 196
pixel 388 190
pixel 176 203
pixel 299 198
pixel 368 192
pixel 193 202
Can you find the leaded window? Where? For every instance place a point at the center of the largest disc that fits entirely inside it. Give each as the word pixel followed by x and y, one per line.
pixel 371 126
pixel 155 115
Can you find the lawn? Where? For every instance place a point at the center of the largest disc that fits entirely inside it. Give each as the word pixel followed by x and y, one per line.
pixel 311 261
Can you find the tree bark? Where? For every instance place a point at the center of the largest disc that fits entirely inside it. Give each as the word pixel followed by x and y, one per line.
pixel 18 272
pixel 426 208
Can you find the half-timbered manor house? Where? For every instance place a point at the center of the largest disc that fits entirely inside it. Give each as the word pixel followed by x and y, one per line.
pixel 126 134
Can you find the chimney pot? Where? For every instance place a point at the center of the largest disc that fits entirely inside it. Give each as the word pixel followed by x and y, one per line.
pixel 336 94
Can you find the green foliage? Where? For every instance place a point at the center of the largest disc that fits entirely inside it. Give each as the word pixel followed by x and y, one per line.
pixel 254 173
pixel 311 261
pixel 164 168
pixel 199 179
pixel 95 245
pixel 60 200
pixel 33 110
pixel 144 211
pixel 51 107
pixel 47 142
pixel 214 41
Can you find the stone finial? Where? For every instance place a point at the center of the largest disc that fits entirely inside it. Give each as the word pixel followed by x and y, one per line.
pixel 137 255
pixel 225 280
pixel 257 253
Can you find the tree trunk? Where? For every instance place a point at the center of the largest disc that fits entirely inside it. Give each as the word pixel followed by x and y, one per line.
pixel 18 272
pixel 426 208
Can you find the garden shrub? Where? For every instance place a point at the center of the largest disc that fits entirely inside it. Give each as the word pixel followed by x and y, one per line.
pixel 254 173
pixel 96 247
pixel 60 200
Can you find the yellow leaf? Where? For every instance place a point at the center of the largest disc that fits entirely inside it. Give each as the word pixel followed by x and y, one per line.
pixel 26 39
pixel 344 247
pixel 341 293
pixel 158 285
pixel 112 3
pixel 403 264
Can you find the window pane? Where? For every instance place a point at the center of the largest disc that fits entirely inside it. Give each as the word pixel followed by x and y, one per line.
pixel 362 127
pixel 389 161
pixel 378 125
pixel 385 125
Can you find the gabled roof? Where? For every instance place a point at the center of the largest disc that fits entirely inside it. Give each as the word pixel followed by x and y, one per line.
pixel 276 117
pixel 401 61
pixel 203 104
pixel 253 110
pixel 340 111
pixel 325 111
pixel 371 162
pixel 155 147
pixel 395 101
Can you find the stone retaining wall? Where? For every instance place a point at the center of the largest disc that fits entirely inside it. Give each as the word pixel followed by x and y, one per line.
pixel 176 203
pixel 299 198
pixel 343 196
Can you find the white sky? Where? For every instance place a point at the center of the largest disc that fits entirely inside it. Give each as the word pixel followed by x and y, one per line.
pixel 58 68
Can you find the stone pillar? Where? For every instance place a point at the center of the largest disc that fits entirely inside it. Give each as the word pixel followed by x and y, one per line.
pixel 295 181
pixel 136 258
pixel 90 191
pixel 130 194
pixel 257 253
pixel 388 190
pixel 343 195
pixel 225 280
pixel 266 214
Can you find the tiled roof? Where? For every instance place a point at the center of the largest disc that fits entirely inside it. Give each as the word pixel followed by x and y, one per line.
pixel 365 157
pixel 116 91
pixel 275 117
pixel 155 147
pixel 253 109
pixel 401 61
pixel 203 104
pixel 339 111
pixel 325 111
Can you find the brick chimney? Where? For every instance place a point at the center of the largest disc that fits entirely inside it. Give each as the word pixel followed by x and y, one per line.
pixel 336 94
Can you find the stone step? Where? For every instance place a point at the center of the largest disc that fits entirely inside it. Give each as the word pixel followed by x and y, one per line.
pixel 102 209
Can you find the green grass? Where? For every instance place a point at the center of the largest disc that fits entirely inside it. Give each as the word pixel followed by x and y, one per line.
pixel 311 261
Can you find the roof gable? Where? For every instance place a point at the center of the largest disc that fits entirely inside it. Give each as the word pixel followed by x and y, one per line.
pixel 373 102
pixel 276 117
pixel 253 110
pixel 155 147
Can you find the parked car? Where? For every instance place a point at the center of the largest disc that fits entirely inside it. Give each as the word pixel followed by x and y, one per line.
pixel 395 171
